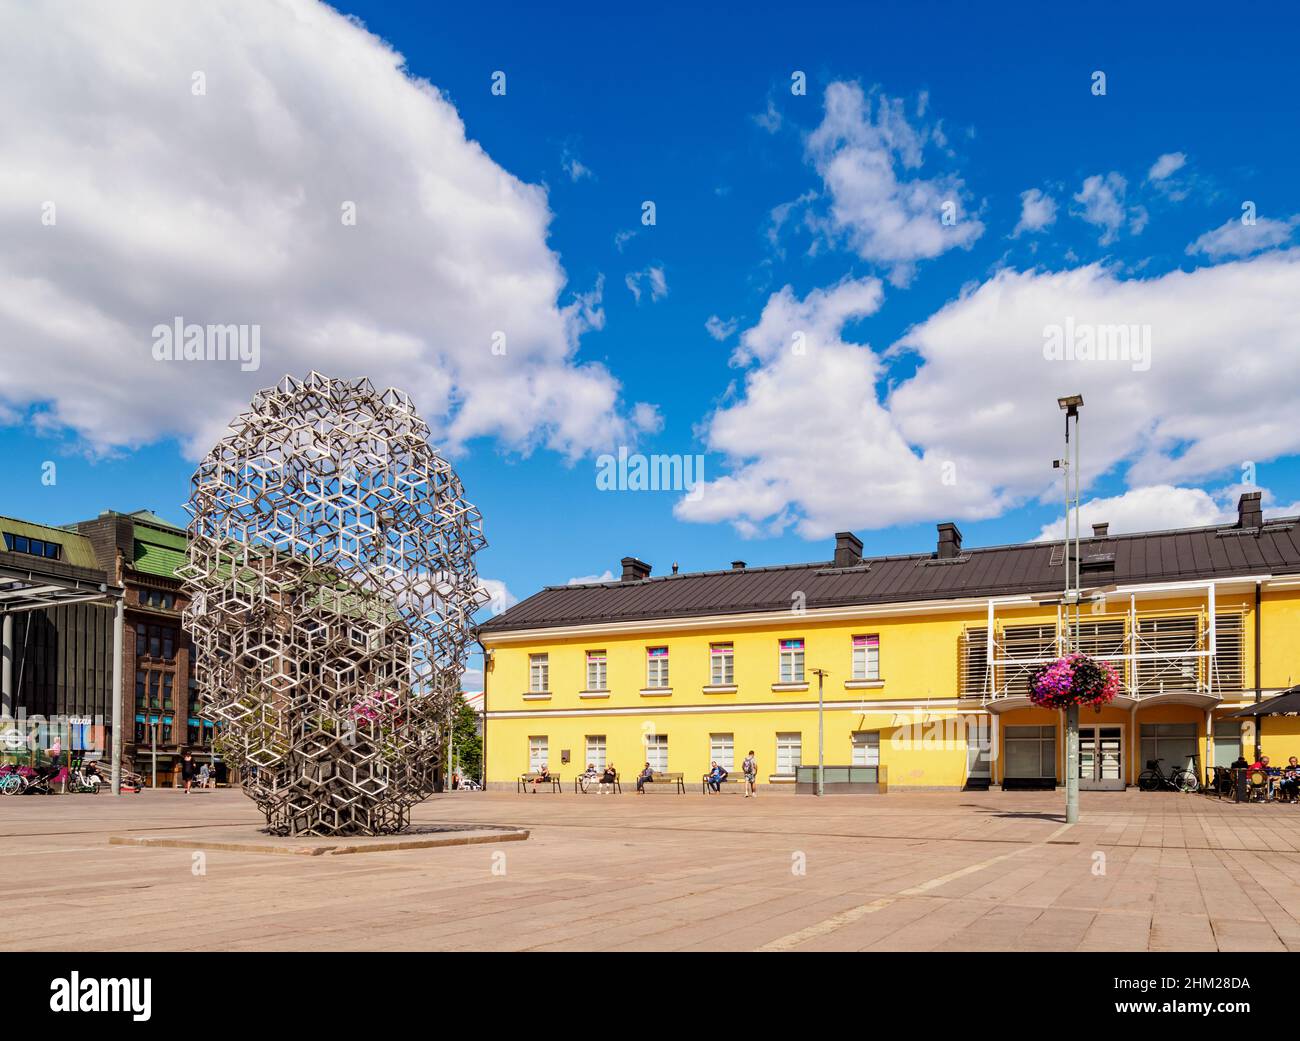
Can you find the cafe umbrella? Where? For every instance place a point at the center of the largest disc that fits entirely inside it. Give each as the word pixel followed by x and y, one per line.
pixel 1285 703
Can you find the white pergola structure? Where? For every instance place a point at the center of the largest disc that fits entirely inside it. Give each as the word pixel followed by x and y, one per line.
pixel 38 588
pixel 1176 665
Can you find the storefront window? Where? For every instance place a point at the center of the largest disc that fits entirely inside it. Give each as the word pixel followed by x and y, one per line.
pixel 1030 752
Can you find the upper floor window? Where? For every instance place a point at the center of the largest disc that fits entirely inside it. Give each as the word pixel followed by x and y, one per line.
pixel 158 598
pixel 597 677
pixel 656 667
pixel 539 673
pixel 866 657
pixel 792 661
pixel 722 664
pixel 36 547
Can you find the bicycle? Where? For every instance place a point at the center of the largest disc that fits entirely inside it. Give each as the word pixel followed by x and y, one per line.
pixel 1179 779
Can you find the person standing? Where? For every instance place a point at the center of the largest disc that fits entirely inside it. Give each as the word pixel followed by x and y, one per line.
pixel 750 769
pixel 204 774
pixel 188 770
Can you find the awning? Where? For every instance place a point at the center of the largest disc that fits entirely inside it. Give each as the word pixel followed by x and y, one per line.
pixel 1285 704
pixel 35 588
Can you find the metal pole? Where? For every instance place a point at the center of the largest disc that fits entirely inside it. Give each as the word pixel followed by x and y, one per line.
pixel 821 731
pixel 1072 764
pixel 153 749
pixel 116 772
pixel 7 667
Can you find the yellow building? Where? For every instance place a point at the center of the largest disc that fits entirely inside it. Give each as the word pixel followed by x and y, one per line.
pixel 925 659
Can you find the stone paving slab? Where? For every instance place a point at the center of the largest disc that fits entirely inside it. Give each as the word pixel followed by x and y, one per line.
pixel 907 871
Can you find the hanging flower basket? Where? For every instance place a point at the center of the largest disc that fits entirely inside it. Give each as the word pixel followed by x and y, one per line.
pixel 1075 679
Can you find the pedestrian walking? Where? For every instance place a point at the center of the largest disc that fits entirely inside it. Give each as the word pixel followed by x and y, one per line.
pixel 188 770
pixel 750 769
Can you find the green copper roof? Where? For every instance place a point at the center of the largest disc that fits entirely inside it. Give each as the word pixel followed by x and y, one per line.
pixel 154 559
pixel 76 548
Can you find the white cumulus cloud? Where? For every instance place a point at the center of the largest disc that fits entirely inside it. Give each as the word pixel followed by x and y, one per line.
pixel 1235 239
pixel 869 156
pixel 817 441
pixel 1037 211
pixel 202 160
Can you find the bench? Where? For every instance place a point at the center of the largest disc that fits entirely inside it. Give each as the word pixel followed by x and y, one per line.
pixel 525 780
pixel 593 785
pixel 1028 784
pixel 733 779
pixel 657 779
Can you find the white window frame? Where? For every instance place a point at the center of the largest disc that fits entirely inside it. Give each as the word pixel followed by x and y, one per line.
pixel 596 746
pixel 866 748
pixel 539 673
pixel 866 657
pixel 722 750
pixel 656 668
pixel 597 670
pixel 722 665
pixel 656 752
pixel 790 660
pixel 538 752
pixel 789 753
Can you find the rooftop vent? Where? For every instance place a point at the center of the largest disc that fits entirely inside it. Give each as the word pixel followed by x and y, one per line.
pixel 635 570
pixel 1250 513
pixel 737 565
pixel 949 541
pixel 1101 531
pixel 848 549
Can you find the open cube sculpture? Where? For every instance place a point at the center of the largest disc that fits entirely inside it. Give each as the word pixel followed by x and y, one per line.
pixel 332 584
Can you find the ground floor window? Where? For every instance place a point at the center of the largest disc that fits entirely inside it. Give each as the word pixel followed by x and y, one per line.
pixel 536 753
pixel 722 750
pixel 1175 743
pixel 1227 742
pixel 656 751
pixel 866 748
pixel 789 753
pixel 596 750
pixel 1030 752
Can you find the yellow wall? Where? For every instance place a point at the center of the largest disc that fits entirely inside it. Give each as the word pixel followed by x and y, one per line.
pixel 918 669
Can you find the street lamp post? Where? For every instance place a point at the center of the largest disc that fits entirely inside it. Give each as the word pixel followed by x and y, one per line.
pixel 821 730
pixel 1073 596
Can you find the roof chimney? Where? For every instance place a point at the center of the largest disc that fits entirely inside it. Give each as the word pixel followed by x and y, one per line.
pixel 848 549
pixel 634 570
pixel 737 565
pixel 949 541
pixel 1101 531
pixel 1250 514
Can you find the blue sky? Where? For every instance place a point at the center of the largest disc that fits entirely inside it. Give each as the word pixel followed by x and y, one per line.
pixel 693 110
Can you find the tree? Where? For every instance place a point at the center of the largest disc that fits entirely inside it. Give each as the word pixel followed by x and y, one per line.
pixel 468 750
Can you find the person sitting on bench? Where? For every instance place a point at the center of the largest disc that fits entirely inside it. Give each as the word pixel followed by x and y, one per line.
pixel 588 776
pixel 608 778
pixel 716 776
pixel 542 775
pixel 646 776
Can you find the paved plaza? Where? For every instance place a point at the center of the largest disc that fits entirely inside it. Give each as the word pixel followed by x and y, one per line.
pixel 905 871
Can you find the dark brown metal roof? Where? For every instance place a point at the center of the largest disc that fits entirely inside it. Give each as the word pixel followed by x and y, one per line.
pixel 1163 556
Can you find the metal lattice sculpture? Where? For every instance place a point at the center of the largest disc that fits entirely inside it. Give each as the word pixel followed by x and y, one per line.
pixel 332 583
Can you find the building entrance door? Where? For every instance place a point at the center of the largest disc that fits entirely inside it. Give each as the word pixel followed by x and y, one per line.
pixel 1101 758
